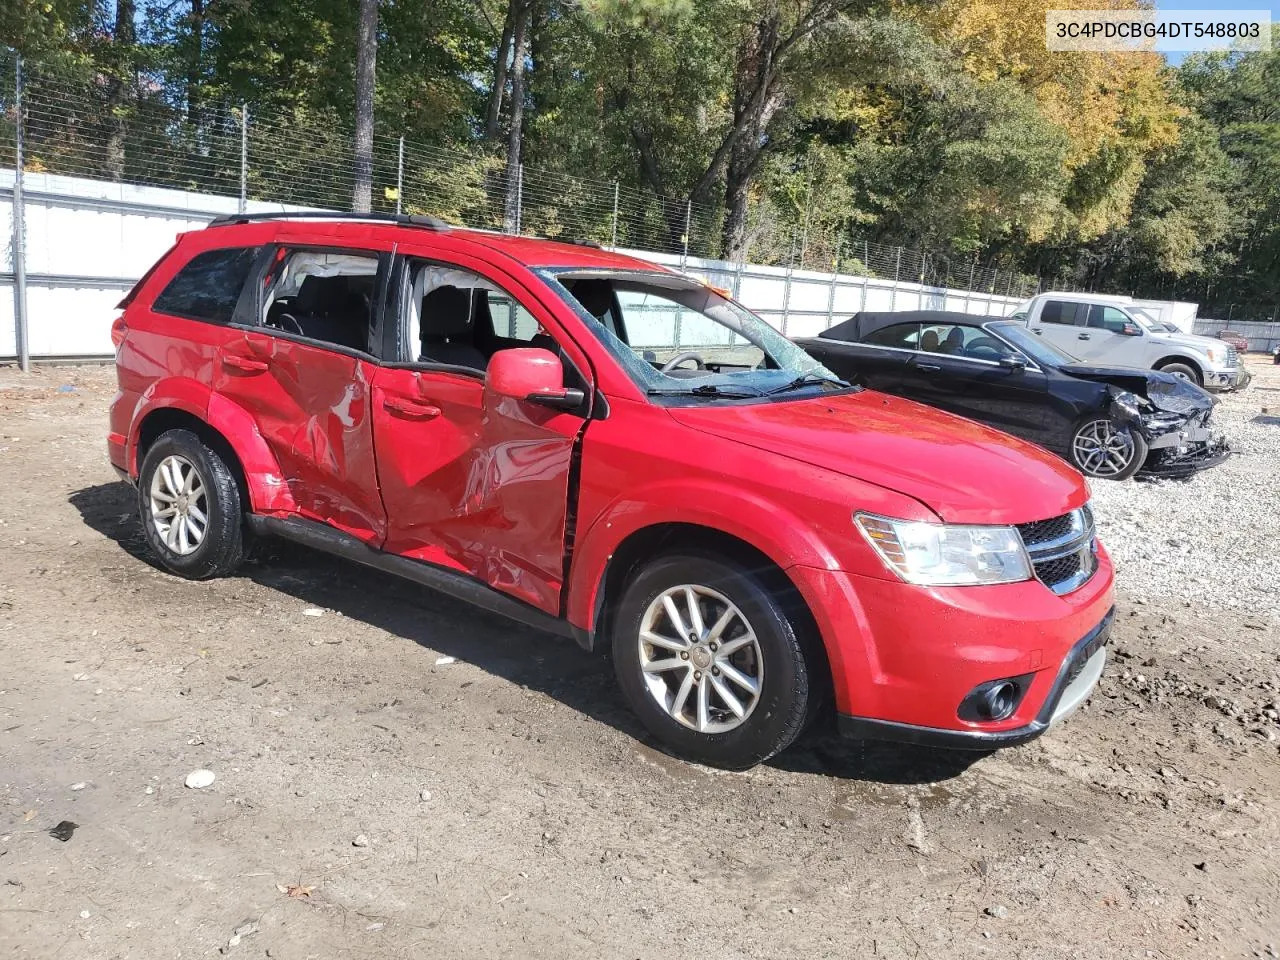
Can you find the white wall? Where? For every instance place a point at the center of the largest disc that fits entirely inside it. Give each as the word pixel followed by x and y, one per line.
pixel 88 241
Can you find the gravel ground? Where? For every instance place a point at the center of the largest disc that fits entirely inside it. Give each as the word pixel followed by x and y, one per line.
pixel 1211 540
pixel 397 775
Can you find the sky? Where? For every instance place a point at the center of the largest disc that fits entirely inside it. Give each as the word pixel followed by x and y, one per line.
pixel 1274 7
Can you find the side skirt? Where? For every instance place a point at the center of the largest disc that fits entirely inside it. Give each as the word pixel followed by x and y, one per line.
pixel 319 536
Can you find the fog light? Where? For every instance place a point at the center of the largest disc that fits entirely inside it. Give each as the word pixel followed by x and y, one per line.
pixel 994 700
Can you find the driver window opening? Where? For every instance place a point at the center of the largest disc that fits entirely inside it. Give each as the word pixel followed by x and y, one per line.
pixel 324 296
pixel 458 318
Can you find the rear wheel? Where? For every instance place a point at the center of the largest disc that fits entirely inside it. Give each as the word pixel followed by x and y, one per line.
pixel 190 506
pixel 1182 371
pixel 1106 450
pixel 709 659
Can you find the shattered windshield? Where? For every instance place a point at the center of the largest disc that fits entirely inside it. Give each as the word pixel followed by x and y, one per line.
pixel 677 336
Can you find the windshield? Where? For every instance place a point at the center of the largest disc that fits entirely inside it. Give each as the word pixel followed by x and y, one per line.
pixel 675 335
pixel 1145 320
pixel 1041 351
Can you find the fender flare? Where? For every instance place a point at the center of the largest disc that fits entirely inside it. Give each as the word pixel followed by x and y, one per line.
pixel 718 506
pixel 265 481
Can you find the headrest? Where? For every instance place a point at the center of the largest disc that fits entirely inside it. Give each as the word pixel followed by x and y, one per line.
pixel 319 295
pixel 929 341
pixel 446 312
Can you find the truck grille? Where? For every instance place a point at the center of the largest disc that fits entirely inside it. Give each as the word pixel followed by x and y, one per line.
pixel 1233 357
pixel 1063 550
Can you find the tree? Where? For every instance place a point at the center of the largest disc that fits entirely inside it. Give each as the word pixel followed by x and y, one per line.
pixel 366 75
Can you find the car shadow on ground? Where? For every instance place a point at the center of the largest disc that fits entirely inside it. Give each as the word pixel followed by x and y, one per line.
pixel 521 655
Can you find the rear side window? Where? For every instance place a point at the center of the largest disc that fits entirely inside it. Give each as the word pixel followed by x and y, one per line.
pixel 903 336
pixel 1064 312
pixel 208 287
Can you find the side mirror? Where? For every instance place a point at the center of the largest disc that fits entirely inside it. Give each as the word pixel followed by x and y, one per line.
pixel 1013 363
pixel 1131 330
pixel 531 375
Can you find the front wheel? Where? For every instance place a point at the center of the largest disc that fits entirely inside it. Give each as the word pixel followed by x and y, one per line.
pixel 1106 450
pixel 1183 371
pixel 710 660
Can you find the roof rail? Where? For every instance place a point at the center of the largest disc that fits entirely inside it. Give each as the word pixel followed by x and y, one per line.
pixel 425 221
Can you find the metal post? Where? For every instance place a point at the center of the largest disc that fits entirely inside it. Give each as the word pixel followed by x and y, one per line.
pixel 786 289
pixel 808 209
pixel 400 178
pixel 897 267
pixel 835 275
pixel 19 230
pixel 737 278
pixel 688 225
pixel 866 270
pixel 244 156
pixel 519 196
pixel 615 214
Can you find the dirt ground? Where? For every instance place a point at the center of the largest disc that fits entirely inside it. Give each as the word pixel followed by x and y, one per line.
pixel 377 798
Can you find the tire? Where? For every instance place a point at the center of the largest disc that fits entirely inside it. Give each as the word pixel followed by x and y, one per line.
pixel 1185 371
pixel 215 496
pixel 1093 437
pixel 786 692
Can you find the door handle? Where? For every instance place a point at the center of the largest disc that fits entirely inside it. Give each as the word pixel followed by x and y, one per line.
pixel 243 364
pixel 411 408
pixel 1037 331
pixel 1083 336
pixel 929 367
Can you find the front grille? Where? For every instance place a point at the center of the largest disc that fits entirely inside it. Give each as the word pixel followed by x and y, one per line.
pixel 1042 531
pixel 1063 550
pixel 1233 357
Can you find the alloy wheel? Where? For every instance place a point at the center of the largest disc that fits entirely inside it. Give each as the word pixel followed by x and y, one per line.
pixel 701 659
pixel 1101 450
pixel 178 505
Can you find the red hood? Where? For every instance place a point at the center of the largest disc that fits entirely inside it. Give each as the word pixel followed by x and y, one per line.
pixel 963 471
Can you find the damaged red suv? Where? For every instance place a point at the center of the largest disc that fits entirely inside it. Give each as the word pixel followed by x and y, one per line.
pixel 606 449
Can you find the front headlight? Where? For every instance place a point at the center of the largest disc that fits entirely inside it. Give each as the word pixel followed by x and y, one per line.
pixel 1216 356
pixel 943 555
pixel 1128 404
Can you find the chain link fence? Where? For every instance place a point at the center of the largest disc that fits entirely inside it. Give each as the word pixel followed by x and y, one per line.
pixel 83 123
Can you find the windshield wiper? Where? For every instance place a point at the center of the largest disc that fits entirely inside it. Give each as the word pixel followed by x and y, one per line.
pixel 805 380
pixel 705 390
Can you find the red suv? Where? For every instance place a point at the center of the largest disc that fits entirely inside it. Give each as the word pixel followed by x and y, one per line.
pixel 606 449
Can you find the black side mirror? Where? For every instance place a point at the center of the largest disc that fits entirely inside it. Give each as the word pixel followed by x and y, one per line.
pixel 1013 363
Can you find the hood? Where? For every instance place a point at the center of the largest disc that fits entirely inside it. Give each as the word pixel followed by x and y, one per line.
pixel 1192 341
pixel 1165 391
pixel 962 471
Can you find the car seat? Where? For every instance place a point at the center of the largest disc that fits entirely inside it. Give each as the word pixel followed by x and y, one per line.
pixel 929 342
pixel 448 335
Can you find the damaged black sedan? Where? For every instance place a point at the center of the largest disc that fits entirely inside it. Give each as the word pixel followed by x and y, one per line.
pixel 1109 422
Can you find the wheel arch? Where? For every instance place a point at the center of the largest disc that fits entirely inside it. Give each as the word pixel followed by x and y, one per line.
pixel 1184 360
pixel 225 427
pixel 670 538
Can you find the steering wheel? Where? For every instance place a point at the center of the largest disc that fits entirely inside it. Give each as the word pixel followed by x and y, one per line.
pixel 292 322
pixel 680 358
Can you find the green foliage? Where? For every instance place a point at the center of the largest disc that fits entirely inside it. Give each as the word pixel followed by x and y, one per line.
pixel 940 125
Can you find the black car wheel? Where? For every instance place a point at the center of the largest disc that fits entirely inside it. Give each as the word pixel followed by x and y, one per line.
pixel 1183 372
pixel 1107 450
pixel 711 661
pixel 190 506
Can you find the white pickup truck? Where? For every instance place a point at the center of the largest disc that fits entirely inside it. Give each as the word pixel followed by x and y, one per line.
pixel 1115 331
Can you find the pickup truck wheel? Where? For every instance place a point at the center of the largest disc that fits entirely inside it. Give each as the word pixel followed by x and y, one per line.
pixel 1183 372
pixel 1106 450
pixel 190 507
pixel 709 659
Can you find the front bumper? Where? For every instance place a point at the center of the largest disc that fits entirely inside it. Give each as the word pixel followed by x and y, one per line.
pixel 1228 379
pixel 1077 676
pixel 903 658
pixel 1179 451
